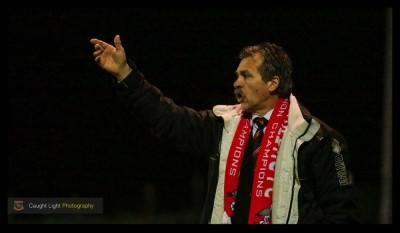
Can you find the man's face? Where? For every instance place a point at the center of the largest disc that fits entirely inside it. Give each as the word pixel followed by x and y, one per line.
pixel 250 90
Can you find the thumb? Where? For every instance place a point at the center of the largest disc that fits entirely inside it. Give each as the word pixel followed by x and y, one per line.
pixel 117 43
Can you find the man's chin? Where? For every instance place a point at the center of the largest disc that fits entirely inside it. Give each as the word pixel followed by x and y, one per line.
pixel 245 107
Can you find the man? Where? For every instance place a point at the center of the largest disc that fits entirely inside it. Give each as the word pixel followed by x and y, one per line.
pixel 270 160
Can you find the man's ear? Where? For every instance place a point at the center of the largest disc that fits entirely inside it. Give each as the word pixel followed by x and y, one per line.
pixel 274 84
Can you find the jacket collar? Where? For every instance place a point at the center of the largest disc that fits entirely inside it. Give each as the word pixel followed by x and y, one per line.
pixel 299 117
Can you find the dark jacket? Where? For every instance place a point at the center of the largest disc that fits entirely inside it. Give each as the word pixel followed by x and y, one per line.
pixel 314 184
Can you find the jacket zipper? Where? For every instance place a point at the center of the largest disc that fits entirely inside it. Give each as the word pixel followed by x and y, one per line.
pixel 294 174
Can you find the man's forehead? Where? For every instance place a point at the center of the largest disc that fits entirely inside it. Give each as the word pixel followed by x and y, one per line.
pixel 249 64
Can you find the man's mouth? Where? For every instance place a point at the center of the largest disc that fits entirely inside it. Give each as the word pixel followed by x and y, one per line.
pixel 239 96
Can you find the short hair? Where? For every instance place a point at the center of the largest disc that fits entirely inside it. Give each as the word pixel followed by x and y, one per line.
pixel 276 62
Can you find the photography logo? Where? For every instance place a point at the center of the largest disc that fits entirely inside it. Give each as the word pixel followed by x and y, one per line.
pixel 18 205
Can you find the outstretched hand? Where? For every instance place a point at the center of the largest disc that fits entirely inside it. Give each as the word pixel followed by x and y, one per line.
pixel 110 58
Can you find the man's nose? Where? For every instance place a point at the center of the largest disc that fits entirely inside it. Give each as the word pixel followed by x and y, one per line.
pixel 238 83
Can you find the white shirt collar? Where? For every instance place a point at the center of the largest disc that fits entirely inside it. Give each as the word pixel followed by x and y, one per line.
pixel 266 116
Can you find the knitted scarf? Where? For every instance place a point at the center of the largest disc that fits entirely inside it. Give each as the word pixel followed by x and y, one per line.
pixel 263 180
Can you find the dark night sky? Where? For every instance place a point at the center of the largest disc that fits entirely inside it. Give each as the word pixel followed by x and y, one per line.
pixel 69 136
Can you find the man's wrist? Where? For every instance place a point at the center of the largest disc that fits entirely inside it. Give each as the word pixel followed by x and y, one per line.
pixel 123 73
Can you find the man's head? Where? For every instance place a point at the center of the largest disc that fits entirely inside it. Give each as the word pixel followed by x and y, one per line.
pixel 263 75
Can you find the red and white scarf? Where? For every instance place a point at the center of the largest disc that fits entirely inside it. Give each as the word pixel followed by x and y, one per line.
pixel 263 180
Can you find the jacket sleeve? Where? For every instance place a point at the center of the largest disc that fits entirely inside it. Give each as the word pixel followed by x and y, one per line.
pixel 184 128
pixel 334 186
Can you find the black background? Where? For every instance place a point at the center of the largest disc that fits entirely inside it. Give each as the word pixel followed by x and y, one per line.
pixel 69 137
